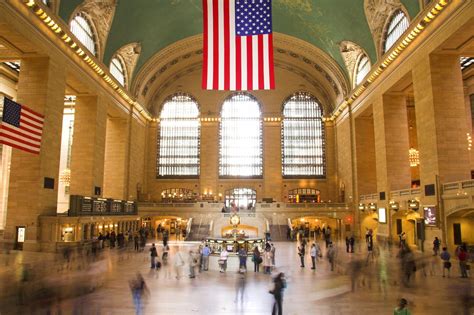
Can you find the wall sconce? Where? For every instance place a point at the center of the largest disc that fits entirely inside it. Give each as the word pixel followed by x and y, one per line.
pixel 394 205
pixel 413 204
pixel 373 206
pixel 361 207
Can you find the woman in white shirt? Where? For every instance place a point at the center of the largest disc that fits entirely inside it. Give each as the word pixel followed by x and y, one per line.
pixel 223 259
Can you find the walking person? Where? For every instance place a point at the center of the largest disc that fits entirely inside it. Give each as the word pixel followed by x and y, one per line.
pixel 351 243
pixel 436 245
pixel 153 255
pixel 206 252
pixel 301 252
pixel 178 263
pixel 193 262
pixel 136 241
pixel 139 290
pixel 279 285
pixel 257 259
pixel 331 253
pixel 242 260
pixel 223 260
pixel 462 257
pixel 273 250
pixel 315 253
pixel 267 261
pixel 445 257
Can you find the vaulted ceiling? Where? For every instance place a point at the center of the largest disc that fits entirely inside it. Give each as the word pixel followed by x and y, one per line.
pixel 156 24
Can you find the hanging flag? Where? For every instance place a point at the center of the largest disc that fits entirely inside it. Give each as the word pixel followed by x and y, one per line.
pixel 238 45
pixel 21 127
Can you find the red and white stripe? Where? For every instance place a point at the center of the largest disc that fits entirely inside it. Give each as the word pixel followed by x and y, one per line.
pixel 231 62
pixel 27 137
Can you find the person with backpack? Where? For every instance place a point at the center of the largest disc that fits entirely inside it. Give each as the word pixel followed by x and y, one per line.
pixel 279 285
pixel 445 257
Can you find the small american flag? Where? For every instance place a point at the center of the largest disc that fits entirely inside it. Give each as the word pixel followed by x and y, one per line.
pixel 238 45
pixel 21 127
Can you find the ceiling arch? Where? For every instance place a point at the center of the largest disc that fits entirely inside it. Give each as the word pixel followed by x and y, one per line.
pixel 157 24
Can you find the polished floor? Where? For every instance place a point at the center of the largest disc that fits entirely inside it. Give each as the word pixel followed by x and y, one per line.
pixel 38 283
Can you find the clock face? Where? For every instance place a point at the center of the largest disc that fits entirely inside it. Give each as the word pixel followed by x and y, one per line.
pixel 235 219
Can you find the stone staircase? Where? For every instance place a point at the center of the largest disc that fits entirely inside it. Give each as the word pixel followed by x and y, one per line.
pixel 198 232
pixel 278 232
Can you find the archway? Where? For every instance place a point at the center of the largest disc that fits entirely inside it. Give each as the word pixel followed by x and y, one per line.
pixel 460 228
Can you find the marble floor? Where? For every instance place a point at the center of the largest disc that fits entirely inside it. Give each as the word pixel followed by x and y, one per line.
pixel 38 283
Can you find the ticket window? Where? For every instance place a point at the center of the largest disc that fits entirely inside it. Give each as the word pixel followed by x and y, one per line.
pixel 67 234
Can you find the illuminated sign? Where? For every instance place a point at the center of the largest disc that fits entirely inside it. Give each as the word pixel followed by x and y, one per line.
pixel 430 215
pixel 21 234
pixel 382 215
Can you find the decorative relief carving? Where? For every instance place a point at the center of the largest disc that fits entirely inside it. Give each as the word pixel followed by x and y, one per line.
pixel 130 54
pixel 377 12
pixel 350 53
pixel 102 13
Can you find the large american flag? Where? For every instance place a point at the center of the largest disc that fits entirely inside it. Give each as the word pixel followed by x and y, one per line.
pixel 238 45
pixel 21 127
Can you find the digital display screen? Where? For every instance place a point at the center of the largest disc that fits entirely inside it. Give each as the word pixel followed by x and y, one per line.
pixel 430 215
pixel 382 215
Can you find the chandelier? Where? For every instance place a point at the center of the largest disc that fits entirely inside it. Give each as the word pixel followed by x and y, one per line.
pixel 414 157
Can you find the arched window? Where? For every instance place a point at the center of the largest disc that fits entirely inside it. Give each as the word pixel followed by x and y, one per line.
pixel 302 137
pixel 82 29
pixel 118 70
pixel 178 153
pixel 396 27
pixel 241 137
pixel 363 67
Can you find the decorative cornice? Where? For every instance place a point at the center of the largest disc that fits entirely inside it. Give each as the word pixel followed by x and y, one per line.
pixel 129 54
pixel 351 52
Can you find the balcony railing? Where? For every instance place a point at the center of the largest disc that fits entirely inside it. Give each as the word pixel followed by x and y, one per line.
pixel 458 185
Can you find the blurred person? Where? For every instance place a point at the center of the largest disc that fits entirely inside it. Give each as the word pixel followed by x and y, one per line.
pixel 402 309
pixel 277 292
pixel 331 254
pixel 113 238
pixel 408 264
pixel 257 259
pixel 153 255
pixel 315 253
pixel 242 259
pixel 240 286
pixel 142 242
pixel 462 257
pixel 301 253
pixel 136 240
pixel 446 257
pixel 139 291
pixel 193 262
pixel 355 270
pixel 206 252
pixel 178 263
pixel 348 244
pixel 273 250
pixel 436 245
pixel 267 261
pixel 165 255
pixel 351 243
pixel 223 259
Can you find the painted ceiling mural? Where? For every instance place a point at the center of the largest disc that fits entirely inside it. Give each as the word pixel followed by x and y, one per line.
pixel 156 24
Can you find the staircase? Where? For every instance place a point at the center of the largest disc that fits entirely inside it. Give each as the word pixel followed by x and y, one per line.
pixel 198 232
pixel 278 232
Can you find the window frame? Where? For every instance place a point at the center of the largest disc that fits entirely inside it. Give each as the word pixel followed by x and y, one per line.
pixel 261 154
pixel 158 142
pixel 357 69
pixel 124 69
pixel 93 33
pixel 387 32
pixel 323 139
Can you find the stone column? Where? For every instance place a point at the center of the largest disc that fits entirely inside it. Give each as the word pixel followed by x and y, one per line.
pixel 88 145
pixel 209 158
pixel 272 172
pixel 391 149
pixel 441 119
pixel 41 87
pixel 116 157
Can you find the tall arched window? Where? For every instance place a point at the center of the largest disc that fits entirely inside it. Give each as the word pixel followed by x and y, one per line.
pixel 178 153
pixel 363 67
pixel 396 27
pixel 303 137
pixel 118 70
pixel 82 29
pixel 241 137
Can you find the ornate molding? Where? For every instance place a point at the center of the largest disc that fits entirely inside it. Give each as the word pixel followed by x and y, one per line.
pixel 377 12
pixel 350 52
pixel 101 13
pixel 129 54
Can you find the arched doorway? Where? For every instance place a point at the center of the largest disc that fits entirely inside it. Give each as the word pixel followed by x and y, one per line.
pixel 460 228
